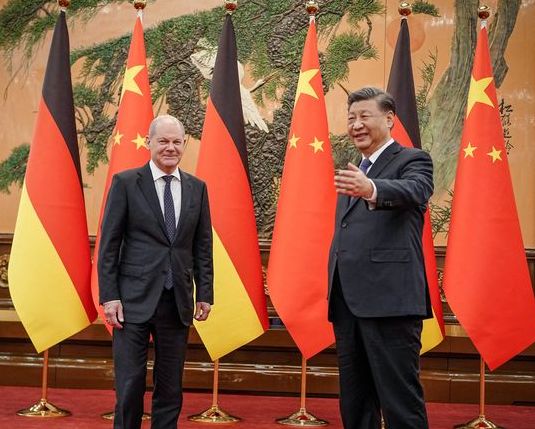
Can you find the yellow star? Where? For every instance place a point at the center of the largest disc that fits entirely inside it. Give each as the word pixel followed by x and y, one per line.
pixel 293 140
pixel 139 141
pixel 477 93
pixel 117 138
pixel 317 145
pixel 129 83
pixel 304 86
pixel 469 150
pixel 495 154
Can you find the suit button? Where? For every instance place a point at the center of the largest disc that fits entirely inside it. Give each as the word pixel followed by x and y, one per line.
pixel 344 225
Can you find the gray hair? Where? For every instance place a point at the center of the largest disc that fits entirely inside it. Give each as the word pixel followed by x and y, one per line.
pixel 164 118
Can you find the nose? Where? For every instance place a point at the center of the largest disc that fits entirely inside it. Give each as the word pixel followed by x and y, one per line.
pixel 356 124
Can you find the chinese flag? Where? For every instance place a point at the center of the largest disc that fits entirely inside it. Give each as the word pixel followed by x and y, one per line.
pixel 128 140
pixel 239 314
pixel 50 264
pixel 486 276
pixel 406 132
pixel 304 224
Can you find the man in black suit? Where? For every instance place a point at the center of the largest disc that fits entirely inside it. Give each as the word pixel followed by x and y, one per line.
pixel 156 239
pixel 378 292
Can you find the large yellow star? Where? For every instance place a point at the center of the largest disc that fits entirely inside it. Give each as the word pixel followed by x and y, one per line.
pixel 293 140
pixel 469 150
pixel 304 86
pixel 495 154
pixel 317 145
pixel 129 82
pixel 139 141
pixel 117 138
pixel 477 93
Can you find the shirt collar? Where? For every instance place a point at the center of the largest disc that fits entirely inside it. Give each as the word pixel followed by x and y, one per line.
pixel 157 173
pixel 373 157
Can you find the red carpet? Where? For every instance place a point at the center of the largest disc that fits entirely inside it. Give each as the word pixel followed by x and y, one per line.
pixel 257 412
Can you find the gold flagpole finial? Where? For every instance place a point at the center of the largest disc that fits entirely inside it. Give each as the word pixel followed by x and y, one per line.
pixel 312 7
pixel 139 4
pixel 405 9
pixel 483 12
pixel 63 4
pixel 231 6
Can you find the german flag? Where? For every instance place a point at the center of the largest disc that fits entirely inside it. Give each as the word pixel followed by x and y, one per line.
pixel 128 141
pixel 239 314
pixel 304 224
pixel 406 131
pixel 50 265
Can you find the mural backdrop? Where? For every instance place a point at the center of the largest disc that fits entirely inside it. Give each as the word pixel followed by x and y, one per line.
pixel 357 39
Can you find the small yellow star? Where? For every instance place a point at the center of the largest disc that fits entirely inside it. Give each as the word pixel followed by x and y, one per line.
pixel 129 83
pixel 477 93
pixel 495 154
pixel 469 150
pixel 304 86
pixel 294 140
pixel 117 138
pixel 139 141
pixel 317 145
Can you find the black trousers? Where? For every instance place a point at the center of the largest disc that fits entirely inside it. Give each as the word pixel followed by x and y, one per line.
pixel 379 366
pixel 130 352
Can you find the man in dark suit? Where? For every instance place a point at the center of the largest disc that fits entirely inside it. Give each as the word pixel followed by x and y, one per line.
pixel 378 292
pixel 156 239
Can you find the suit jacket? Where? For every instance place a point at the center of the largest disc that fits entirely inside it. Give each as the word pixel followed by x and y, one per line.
pixel 378 253
pixel 135 253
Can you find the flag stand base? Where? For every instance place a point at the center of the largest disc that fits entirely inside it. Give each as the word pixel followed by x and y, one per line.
pixel 111 416
pixel 480 422
pixel 302 418
pixel 214 415
pixel 43 408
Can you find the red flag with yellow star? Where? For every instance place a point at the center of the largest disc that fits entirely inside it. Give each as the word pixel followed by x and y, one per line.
pixel 304 224
pixel 486 277
pixel 128 139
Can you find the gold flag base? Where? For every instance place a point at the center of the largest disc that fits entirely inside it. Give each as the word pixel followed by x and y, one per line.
pixel 302 418
pixel 111 415
pixel 214 415
pixel 480 422
pixel 43 408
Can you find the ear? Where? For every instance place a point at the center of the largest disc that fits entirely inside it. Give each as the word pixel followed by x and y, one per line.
pixel 390 119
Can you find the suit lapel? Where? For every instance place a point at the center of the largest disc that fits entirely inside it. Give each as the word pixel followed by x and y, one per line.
pixel 185 201
pixel 377 167
pixel 148 189
pixel 383 160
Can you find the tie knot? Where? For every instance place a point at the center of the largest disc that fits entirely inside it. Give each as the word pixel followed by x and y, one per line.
pixel 167 178
pixel 365 164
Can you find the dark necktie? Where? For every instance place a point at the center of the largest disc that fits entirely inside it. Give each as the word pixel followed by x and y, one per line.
pixel 364 165
pixel 170 222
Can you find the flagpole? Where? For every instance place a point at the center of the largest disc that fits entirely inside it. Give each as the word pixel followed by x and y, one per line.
pixel 214 414
pixel 139 5
pixel 481 421
pixel 43 408
pixel 302 417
